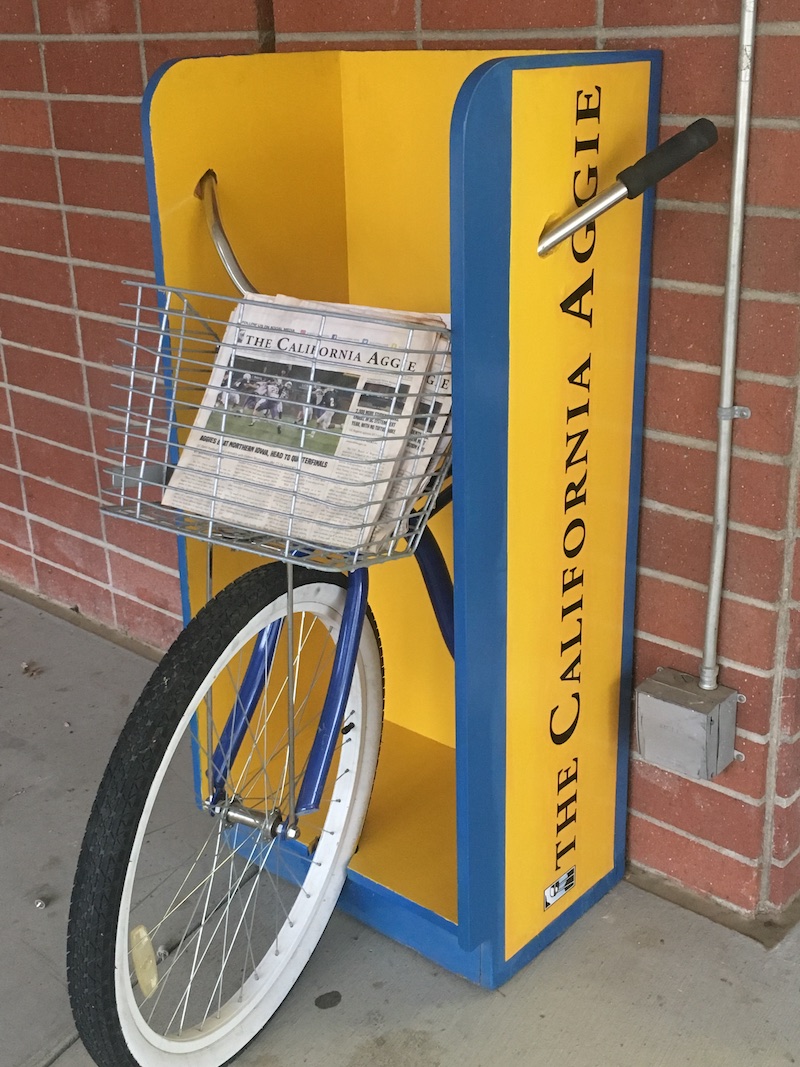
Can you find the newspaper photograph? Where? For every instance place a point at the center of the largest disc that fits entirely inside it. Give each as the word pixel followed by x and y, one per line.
pixel 302 429
pixel 428 437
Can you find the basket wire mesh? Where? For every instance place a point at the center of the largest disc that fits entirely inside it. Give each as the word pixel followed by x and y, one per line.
pixel 299 442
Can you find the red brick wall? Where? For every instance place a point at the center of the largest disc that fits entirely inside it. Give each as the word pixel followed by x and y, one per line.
pixel 73 223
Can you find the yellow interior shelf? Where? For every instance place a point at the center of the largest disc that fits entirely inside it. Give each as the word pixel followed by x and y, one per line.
pixel 409 841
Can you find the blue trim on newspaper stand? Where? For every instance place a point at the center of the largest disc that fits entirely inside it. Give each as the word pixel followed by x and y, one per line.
pixel 480 232
pixel 158 269
pixel 481 224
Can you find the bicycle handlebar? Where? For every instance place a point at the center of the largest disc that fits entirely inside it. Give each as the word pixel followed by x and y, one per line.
pixel 206 190
pixel 632 181
pixel 668 157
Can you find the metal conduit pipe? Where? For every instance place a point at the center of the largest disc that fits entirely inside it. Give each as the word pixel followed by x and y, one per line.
pixel 727 411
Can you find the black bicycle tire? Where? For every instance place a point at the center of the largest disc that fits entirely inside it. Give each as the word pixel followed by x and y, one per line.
pixel 116 813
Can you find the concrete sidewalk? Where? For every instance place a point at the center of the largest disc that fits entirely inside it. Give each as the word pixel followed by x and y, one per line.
pixel 637 981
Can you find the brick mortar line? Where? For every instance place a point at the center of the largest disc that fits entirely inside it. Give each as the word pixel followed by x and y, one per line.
pixel 712 207
pixel 10 391
pixel 130 38
pixel 696 367
pixel 784 863
pixel 710 785
pixel 613 33
pixel 417 23
pixel 764 122
pixel 95 364
pixel 176 615
pixel 782 647
pixel 689 29
pixel 757 122
pixel 162 568
pixel 15 446
pixel 677 285
pixel 67 448
pixel 137 9
pixel 787 802
pixel 698 207
pixel 727 905
pixel 783 28
pixel 721 29
pixel 759 211
pixel 68 260
pixel 70 153
pixel 701 444
pixel 772 459
pixel 777 123
pixel 35 350
pixel 17 548
pixel 116 417
pixel 427 35
pixel 96 316
pixel 75 209
pixel 748 735
pixel 45 352
pixel 52 257
pixel 108 588
pixel 45 396
pixel 748 861
pixel 696 653
pixel 702 587
pixel 524 33
pixel 70 98
pixel 117 369
pixel 765 296
pixel 685 513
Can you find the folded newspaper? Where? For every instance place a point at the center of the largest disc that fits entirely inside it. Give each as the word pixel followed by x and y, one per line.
pixel 321 423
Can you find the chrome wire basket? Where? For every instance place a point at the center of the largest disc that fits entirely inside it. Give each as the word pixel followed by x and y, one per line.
pixel 300 431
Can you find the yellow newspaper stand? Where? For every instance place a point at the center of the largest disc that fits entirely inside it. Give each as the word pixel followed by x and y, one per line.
pixel 422 181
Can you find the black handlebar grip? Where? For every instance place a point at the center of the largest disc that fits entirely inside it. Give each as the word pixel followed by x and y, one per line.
pixel 670 155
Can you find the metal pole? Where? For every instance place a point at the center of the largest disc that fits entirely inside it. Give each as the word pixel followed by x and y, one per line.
pixel 207 192
pixel 291 816
pixel 727 412
pixel 557 232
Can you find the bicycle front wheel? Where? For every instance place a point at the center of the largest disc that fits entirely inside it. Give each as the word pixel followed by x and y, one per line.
pixel 190 919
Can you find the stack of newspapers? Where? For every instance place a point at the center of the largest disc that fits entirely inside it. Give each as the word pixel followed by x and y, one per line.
pixel 321 423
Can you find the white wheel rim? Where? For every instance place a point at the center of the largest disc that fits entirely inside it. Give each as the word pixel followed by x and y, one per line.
pixel 266 987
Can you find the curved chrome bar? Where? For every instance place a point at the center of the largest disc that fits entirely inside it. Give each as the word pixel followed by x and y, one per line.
pixel 556 232
pixel 207 192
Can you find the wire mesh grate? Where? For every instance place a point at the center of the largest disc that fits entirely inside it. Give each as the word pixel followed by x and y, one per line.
pixel 293 430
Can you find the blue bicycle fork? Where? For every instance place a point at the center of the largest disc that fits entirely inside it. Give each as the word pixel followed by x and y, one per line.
pixel 440 590
pixel 331 719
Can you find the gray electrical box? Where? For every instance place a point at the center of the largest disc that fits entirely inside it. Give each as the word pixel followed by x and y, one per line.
pixel 684 728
